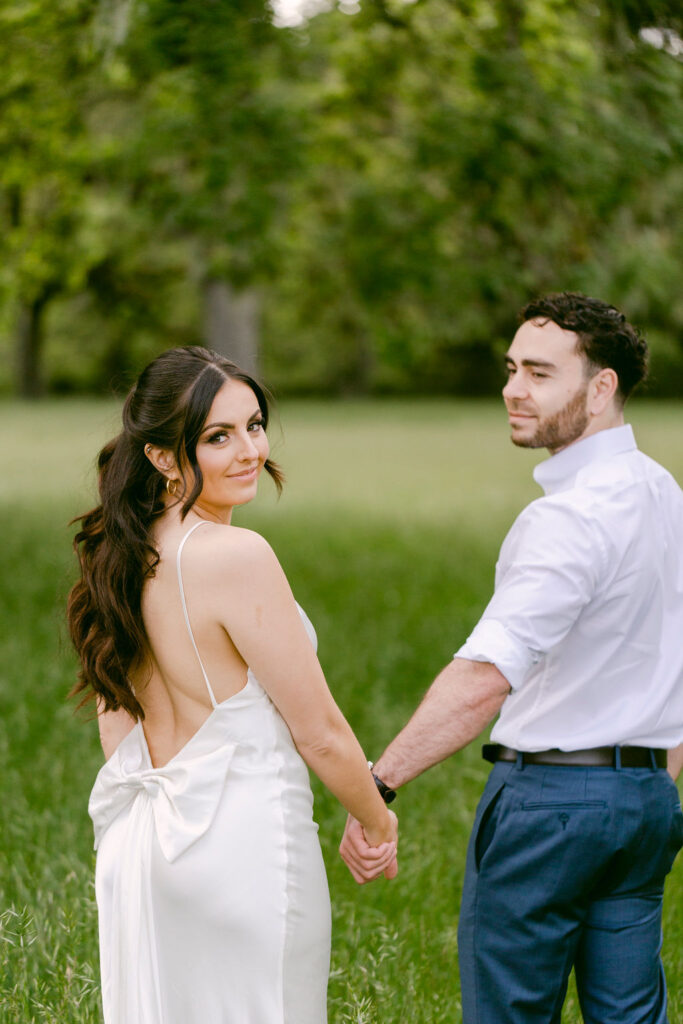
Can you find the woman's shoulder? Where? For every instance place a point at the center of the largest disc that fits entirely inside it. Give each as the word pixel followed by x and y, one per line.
pixel 220 547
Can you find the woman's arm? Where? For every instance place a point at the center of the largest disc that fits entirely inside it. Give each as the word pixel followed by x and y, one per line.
pixel 113 726
pixel 257 609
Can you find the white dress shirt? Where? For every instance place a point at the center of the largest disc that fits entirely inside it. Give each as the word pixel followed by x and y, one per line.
pixel 586 622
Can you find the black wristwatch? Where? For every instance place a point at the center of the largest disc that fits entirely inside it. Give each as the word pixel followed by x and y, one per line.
pixel 387 794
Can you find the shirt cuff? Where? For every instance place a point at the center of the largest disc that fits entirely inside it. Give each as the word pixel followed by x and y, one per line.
pixel 490 641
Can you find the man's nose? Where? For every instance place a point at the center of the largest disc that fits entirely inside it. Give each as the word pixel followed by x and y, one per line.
pixel 515 386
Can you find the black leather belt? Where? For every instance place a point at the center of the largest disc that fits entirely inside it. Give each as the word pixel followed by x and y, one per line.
pixel 597 757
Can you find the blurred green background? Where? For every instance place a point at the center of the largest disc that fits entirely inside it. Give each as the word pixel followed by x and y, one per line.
pixel 357 201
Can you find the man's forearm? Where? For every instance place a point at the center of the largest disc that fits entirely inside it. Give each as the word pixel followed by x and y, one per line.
pixel 457 707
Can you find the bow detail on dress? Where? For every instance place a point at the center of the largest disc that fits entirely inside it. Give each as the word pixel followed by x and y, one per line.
pixel 184 799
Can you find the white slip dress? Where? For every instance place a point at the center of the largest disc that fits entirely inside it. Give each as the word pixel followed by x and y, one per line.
pixel 211 889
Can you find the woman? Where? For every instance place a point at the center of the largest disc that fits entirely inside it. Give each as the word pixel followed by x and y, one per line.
pixel 211 890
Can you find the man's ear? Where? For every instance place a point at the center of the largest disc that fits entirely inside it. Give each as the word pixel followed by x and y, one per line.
pixel 601 390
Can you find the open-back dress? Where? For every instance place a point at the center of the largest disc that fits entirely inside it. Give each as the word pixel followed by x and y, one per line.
pixel 211 890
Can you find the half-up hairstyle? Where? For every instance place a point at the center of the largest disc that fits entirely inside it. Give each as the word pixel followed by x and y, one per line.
pixel 167 408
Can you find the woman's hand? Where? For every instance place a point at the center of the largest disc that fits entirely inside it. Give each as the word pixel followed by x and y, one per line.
pixel 364 860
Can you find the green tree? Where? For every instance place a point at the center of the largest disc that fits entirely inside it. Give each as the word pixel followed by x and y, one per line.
pixel 147 152
pixel 465 156
pixel 212 144
pixel 393 184
pixel 44 157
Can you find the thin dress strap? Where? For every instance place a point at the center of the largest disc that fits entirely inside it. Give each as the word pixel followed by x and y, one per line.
pixel 214 702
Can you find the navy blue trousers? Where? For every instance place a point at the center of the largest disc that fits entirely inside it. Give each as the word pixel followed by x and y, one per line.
pixel 566 868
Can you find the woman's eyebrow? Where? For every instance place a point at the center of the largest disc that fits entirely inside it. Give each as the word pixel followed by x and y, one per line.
pixel 230 426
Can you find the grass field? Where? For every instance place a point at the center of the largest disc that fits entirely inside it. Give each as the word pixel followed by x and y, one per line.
pixel 388 530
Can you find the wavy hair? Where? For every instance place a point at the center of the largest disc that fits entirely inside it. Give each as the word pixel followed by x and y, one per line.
pixel 605 337
pixel 167 407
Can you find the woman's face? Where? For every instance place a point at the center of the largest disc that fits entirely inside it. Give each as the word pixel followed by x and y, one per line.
pixel 231 451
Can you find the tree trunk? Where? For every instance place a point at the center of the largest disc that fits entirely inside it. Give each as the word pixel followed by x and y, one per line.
pixel 30 334
pixel 356 372
pixel 231 323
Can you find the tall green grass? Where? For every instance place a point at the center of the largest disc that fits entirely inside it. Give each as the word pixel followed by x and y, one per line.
pixel 388 530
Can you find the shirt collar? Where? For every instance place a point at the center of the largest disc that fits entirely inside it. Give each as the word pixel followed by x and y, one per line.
pixel 559 472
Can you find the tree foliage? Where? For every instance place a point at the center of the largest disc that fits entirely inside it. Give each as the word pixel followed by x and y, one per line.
pixel 393 184
pixel 478 154
pixel 43 164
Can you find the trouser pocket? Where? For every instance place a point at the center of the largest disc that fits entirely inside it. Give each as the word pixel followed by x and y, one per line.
pixel 485 823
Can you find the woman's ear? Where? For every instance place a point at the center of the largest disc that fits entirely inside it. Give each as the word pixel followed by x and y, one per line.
pixel 162 459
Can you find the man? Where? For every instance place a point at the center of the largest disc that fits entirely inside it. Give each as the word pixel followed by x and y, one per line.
pixel 580 651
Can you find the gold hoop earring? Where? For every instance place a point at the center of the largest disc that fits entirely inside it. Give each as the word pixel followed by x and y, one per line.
pixel 171 487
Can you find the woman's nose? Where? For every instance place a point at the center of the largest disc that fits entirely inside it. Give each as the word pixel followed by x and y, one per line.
pixel 248 449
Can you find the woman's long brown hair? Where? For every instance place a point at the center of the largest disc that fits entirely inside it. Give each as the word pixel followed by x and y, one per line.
pixel 167 407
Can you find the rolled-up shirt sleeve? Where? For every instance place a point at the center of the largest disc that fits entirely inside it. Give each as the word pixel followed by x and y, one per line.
pixel 491 641
pixel 550 565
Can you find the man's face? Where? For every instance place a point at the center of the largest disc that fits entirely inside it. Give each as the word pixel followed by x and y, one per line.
pixel 547 389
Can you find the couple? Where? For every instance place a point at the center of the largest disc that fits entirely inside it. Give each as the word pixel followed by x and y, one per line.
pixel 212 897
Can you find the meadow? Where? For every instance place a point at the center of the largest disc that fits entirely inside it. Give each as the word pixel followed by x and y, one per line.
pixel 388 530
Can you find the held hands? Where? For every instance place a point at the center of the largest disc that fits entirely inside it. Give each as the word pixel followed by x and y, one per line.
pixel 367 862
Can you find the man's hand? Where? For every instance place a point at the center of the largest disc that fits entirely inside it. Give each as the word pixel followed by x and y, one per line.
pixel 366 862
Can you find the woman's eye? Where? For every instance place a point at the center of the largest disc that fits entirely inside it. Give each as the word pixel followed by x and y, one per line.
pixel 256 425
pixel 218 437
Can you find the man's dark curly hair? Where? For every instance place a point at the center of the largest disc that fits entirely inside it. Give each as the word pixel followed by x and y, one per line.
pixel 606 338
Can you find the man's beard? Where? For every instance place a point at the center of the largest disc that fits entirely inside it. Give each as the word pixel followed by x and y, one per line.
pixel 562 428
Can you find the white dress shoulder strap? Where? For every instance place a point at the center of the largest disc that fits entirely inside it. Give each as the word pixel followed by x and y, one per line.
pixel 214 702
